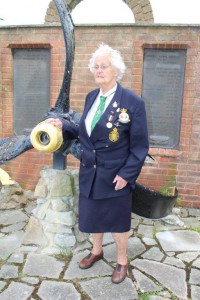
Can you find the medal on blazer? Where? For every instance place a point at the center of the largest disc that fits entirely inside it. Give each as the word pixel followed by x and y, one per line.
pixel 114 135
pixel 124 117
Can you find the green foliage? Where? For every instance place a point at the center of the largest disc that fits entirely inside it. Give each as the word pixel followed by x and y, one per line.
pixel 197 229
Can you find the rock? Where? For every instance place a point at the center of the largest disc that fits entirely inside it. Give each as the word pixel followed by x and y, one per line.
pixel 34 234
pixel 17 291
pixel 51 290
pixel 43 266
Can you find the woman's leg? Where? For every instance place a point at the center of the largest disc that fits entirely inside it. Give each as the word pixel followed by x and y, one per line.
pixel 97 243
pixel 121 240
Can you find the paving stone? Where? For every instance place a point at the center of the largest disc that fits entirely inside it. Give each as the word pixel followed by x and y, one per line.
pixel 182 240
pixel 2 284
pixel 154 254
pixel 9 243
pixel 160 226
pixel 16 258
pixel 99 269
pixel 174 262
pixel 134 223
pixel 170 253
pixel 14 227
pixel 51 290
pixel 8 271
pixel 42 265
pixel 145 230
pixel 104 289
pixel 17 291
pixel 135 247
pixel 195 212
pixel 195 292
pixel 196 263
pixel 149 241
pixel 194 276
pixel 27 249
pixel 85 245
pixel 191 222
pixel 143 283
pixel 164 274
pixel 12 217
pixel 31 280
pixel 147 221
pixel 188 256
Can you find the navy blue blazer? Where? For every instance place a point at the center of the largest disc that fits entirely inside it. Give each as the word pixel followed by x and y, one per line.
pixel 120 150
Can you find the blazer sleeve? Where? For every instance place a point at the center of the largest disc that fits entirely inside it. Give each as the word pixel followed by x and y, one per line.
pixel 70 131
pixel 139 145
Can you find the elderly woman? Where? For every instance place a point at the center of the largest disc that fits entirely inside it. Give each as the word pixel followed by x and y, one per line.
pixel 114 143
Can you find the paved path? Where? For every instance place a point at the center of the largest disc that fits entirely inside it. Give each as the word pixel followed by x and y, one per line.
pixel 164 258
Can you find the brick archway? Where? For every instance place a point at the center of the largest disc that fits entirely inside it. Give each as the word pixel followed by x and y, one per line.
pixel 141 9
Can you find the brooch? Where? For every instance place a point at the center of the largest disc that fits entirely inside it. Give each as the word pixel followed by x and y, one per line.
pixel 115 104
pixel 114 135
pixel 124 117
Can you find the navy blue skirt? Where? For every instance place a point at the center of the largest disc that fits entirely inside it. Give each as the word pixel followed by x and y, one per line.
pixel 105 215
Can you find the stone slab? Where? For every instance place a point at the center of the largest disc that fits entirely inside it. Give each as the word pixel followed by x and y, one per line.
pixel 9 243
pixel 143 283
pixel 174 262
pixel 17 291
pixel 188 256
pixel 104 289
pixel 195 292
pixel 43 266
pixel 12 217
pixel 99 269
pixel 2 284
pixel 145 230
pixel 194 276
pixel 8 271
pixel 196 263
pixel 164 274
pixel 14 227
pixel 51 290
pixel 182 240
pixel 31 280
pixel 154 253
pixel 16 258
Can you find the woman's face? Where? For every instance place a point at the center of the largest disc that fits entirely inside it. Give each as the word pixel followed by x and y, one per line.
pixel 104 74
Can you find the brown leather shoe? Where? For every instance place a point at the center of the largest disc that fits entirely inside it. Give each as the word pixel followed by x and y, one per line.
pixel 88 261
pixel 119 273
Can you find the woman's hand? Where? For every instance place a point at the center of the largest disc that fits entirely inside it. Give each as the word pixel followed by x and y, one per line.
pixel 120 183
pixel 55 122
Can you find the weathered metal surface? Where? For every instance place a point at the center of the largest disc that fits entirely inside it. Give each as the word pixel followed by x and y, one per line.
pixel 12 147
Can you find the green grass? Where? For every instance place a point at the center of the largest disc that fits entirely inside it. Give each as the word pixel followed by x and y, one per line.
pixel 197 229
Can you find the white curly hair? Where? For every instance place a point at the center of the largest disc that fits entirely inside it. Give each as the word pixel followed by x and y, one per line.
pixel 115 57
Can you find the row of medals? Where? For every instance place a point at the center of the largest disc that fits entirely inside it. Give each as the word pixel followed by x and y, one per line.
pixel 123 118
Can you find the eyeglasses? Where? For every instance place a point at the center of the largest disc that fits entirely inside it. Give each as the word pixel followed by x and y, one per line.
pixel 103 67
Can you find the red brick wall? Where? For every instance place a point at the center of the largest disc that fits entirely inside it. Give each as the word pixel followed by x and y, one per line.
pixel 181 166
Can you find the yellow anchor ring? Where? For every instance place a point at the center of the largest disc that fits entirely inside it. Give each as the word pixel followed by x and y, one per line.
pixel 46 137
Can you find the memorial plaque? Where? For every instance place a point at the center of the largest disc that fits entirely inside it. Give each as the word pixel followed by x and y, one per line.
pixel 162 91
pixel 31 87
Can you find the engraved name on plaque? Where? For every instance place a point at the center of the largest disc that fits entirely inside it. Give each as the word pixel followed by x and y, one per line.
pixel 162 91
pixel 31 87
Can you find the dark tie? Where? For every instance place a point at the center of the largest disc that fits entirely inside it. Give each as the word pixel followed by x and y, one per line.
pixel 98 112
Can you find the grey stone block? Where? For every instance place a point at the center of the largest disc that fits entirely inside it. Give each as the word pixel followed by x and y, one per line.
pixel 17 291
pixel 104 289
pixel 51 290
pixel 43 266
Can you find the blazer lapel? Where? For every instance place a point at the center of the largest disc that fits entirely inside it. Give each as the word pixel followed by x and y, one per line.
pixel 101 127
